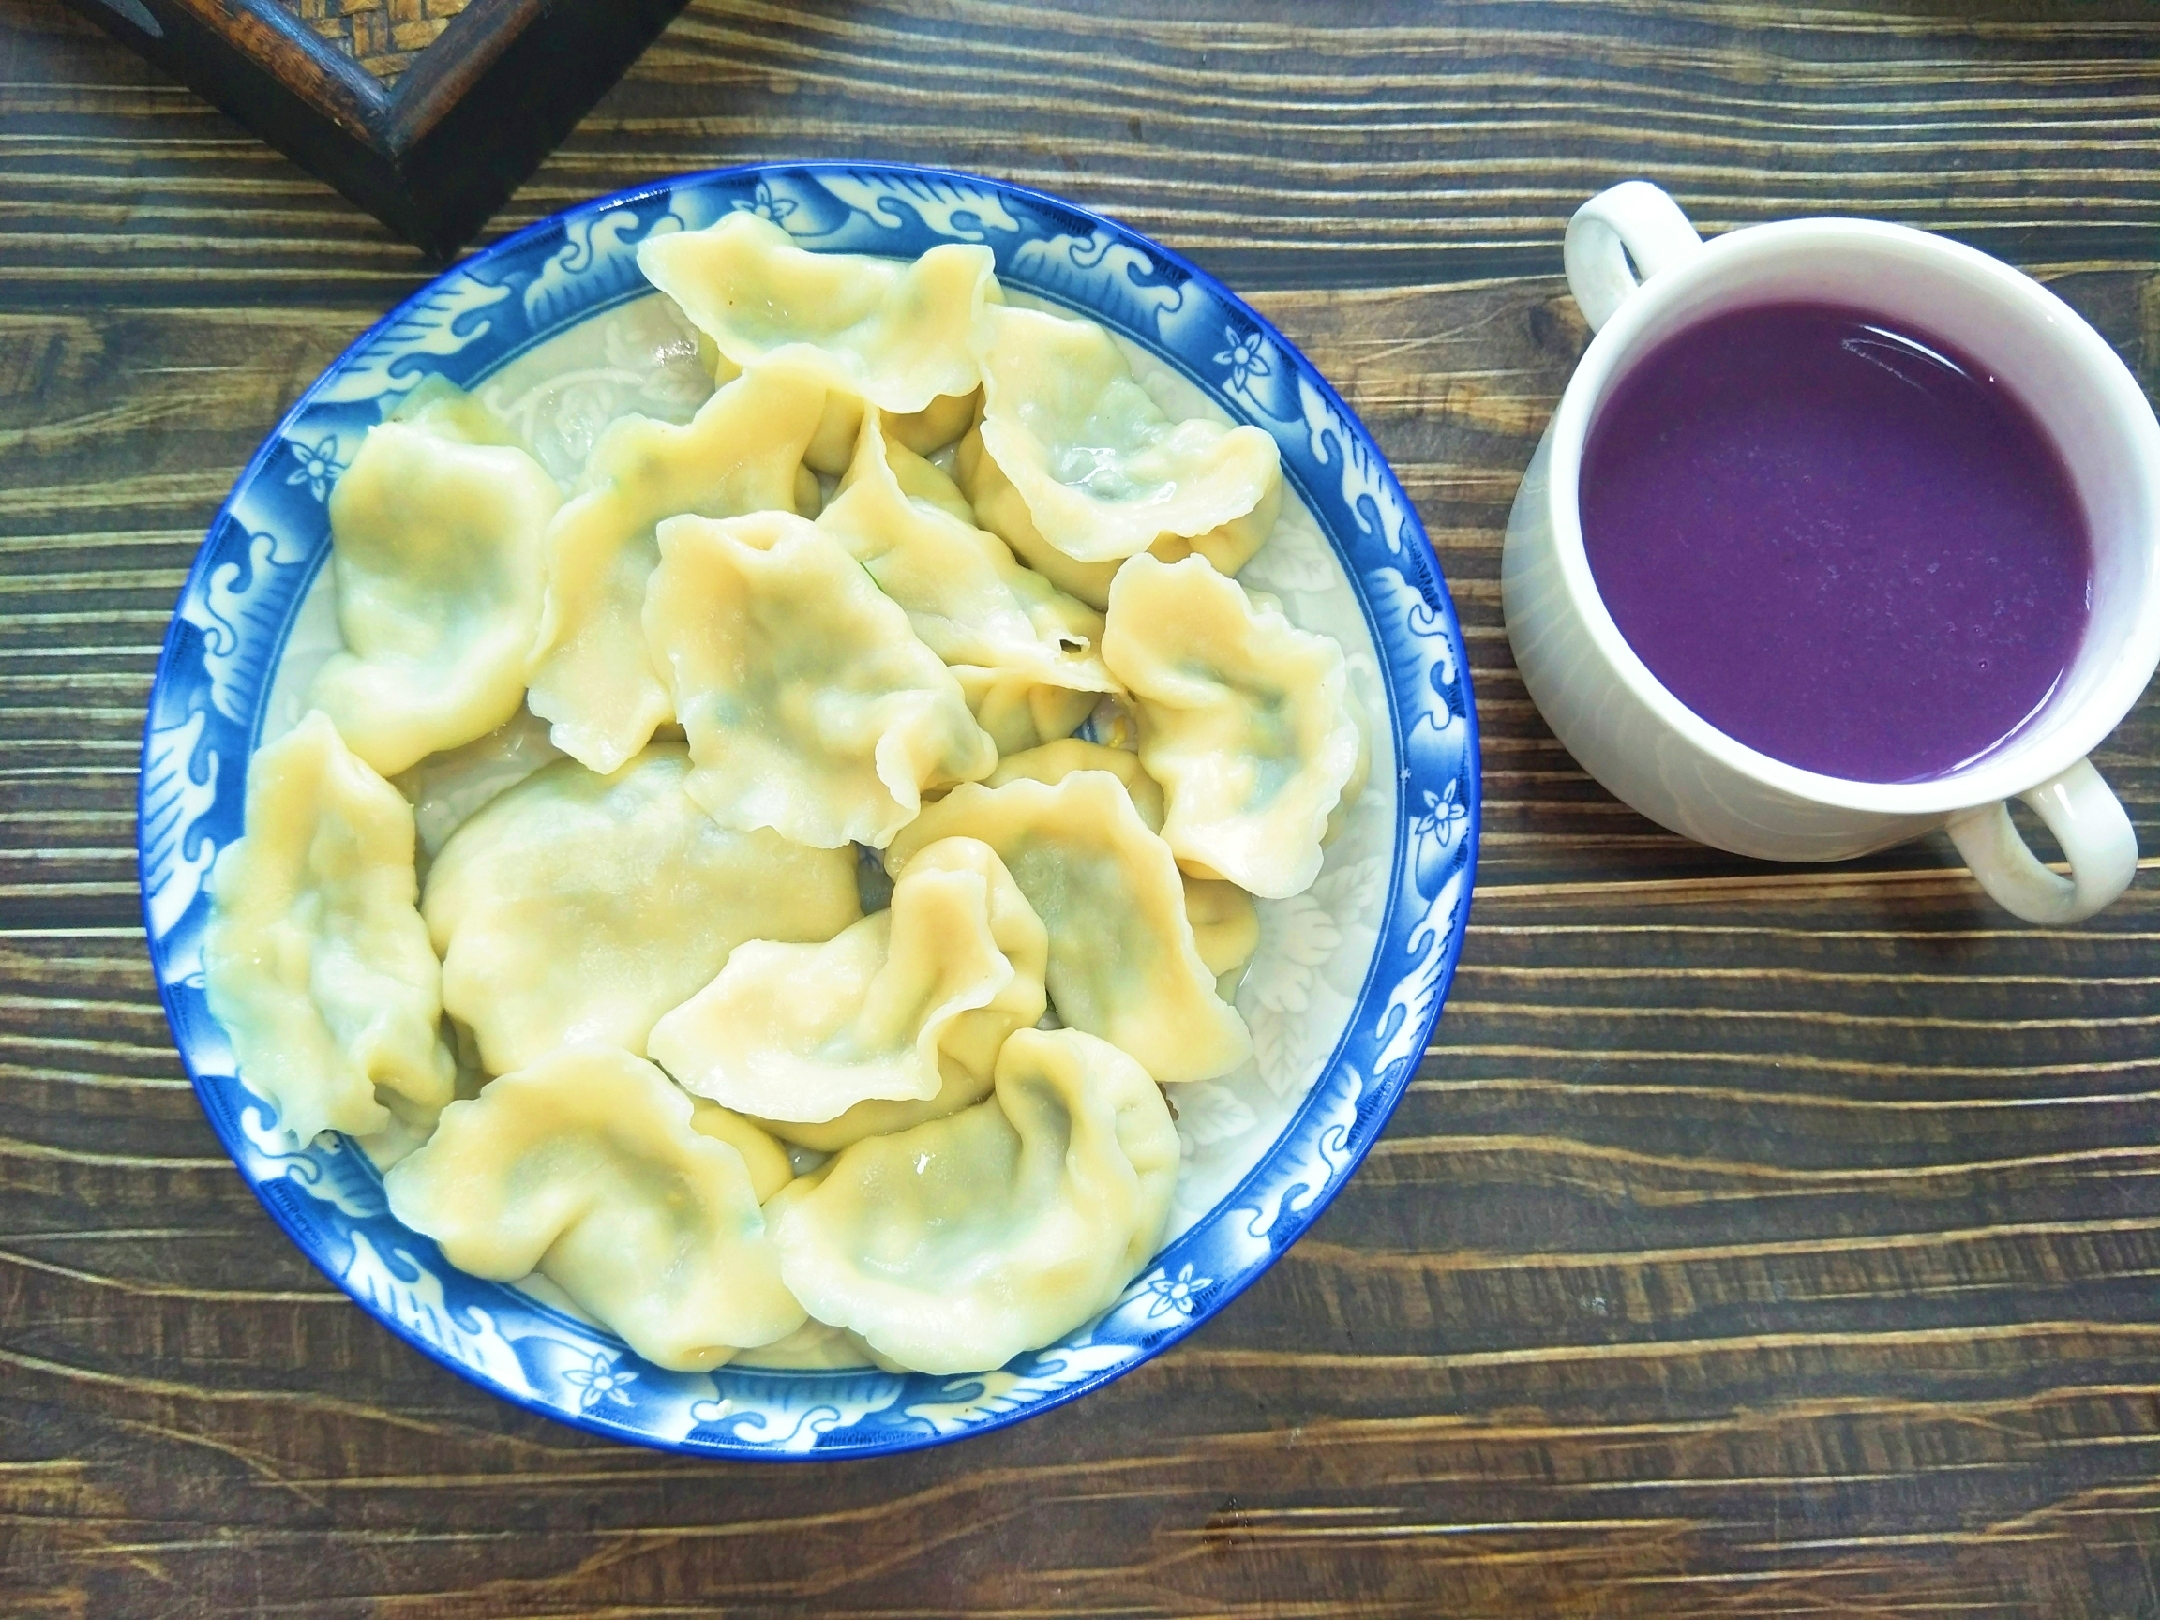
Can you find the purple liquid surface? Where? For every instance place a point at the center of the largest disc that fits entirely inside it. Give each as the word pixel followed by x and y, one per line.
pixel 1839 543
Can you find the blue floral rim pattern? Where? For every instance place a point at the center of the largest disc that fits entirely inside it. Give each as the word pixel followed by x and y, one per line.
pixel 266 544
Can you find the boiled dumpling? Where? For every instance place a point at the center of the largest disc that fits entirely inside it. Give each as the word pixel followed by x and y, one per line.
pixel 1123 961
pixel 1244 719
pixel 998 507
pixel 436 546
pixel 810 704
pixel 595 676
pixel 1226 927
pixel 805 1032
pixel 960 1085
pixel 905 521
pixel 315 960
pixel 957 1245
pixel 579 908
pixel 902 336
pixel 588 1168
pixel 1102 472
pixel 1023 650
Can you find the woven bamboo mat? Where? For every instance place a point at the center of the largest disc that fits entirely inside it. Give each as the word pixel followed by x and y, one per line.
pixel 384 36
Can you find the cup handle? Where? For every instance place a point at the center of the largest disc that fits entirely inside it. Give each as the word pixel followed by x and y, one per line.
pixel 2086 819
pixel 1633 220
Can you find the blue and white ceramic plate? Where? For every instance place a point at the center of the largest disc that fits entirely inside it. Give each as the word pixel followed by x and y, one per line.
pixel 557 329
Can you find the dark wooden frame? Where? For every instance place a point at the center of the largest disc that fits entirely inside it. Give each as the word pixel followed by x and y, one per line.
pixel 433 156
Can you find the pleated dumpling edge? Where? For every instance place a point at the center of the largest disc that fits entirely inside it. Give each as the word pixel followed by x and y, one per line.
pixel 899 333
pixel 810 704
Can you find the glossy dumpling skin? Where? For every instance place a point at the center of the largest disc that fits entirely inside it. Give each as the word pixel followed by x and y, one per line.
pixel 314 960
pixel 578 908
pixel 810 704
pixel 1102 472
pixel 1123 961
pixel 594 675
pixel 1019 711
pixel 1052 762
pixel 448 789
pixel 959 1087
pixel 1023 650
pixel 999 508
pixel 899 335
pixel 803 1033
pixel 813 1347
pixel 1244 718
pixel 957 1245
pixel 436 545
pixel 1226 927
pixel 587 1168
pixel 762 1155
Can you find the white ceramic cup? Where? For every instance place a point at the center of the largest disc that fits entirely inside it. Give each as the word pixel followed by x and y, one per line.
pixel 1665 760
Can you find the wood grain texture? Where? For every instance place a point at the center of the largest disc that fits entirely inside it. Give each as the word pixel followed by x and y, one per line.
pixel 383 36
pixel 427 113
pixel 1755 1241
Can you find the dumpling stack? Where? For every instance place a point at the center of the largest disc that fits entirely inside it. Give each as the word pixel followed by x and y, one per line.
pixel 618 1016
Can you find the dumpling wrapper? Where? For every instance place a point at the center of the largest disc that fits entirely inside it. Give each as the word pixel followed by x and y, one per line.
pixel 900 335
pixel 1052 762
pixel 932 428
pixel 578 908
pixel 1124 963
pixel 314 959
pixel 813 1347
pixel 594 675
pixel 1019 711
pixel 1226 926
pixel 441 407
pixel 1101 471
pixel 961 1083
pixel 810 704
pixel 959 1244
pixel 998 507
pixel 1245 719
pixel 1022 649
pixel 762 1155
pixel 803 1033
pixel 450 788
pixel 587 1167
pixel 959 1087
pixel 436 544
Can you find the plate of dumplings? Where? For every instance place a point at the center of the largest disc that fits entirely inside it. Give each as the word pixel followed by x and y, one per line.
pixel 808 809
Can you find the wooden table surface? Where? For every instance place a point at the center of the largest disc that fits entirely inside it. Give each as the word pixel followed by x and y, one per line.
pixel 1755 1241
